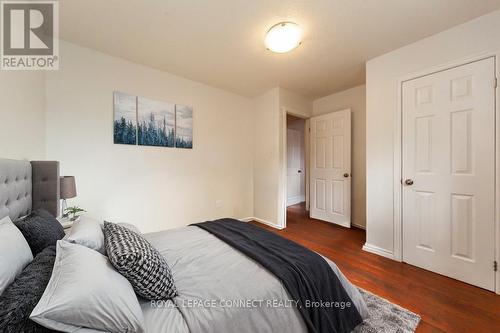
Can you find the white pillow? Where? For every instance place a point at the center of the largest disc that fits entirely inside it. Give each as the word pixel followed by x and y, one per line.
pixel 85 291
pixel 87 232
pixel 15 253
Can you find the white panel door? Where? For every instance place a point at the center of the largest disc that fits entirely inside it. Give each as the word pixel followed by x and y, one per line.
pixel 330 181
pixel 449 172
pixel 295 167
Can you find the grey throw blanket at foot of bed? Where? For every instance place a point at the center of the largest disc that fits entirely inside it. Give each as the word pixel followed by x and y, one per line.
pixel 306 275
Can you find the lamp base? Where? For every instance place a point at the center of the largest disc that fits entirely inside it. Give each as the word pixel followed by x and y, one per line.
pixel 64 206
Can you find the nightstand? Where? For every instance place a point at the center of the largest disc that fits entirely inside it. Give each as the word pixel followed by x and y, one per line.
pixel 66 223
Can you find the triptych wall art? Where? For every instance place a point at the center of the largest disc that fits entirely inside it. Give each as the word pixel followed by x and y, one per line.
pixel 146 122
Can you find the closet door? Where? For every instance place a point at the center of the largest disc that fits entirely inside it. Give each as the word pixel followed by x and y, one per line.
pixel 449 172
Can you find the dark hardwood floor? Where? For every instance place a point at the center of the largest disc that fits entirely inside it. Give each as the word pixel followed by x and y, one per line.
pixel 445 305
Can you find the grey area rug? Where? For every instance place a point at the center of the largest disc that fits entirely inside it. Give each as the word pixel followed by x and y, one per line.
pixel 386 317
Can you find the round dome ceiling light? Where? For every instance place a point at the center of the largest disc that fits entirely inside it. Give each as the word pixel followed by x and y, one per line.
pixel 283 37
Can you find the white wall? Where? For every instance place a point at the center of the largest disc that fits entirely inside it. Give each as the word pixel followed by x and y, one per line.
pixel 22 114
pixel 153 187
pixel 354 99
pixel 269 146
pixel 382 73
pixel 67 115
pixel 295 104
pixel 266 157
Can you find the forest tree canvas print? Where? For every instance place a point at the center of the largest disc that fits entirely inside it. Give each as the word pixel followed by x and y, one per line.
pixel 147 122
pixel 125 118
pixel 156 123
pixel 184 126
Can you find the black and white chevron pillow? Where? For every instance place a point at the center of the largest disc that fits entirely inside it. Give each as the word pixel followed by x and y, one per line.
pixel 138 261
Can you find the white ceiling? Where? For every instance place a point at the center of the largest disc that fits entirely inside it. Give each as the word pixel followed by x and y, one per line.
pixel 221 42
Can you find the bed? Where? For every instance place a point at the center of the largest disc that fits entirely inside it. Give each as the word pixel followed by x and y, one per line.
pixel 219 289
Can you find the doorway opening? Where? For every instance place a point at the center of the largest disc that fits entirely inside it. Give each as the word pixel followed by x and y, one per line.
pixel 320 173
pixel 295 160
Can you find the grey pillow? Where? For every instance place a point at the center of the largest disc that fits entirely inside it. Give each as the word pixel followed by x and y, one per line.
pixel 87 232
pixel 21 296
pixel 85 291
pixel 138 261
pixel 40 230
pixel 15 252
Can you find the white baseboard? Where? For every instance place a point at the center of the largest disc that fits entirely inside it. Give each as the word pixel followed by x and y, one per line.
pixel 248 219
pixel 358 226
pixel 268 223
pixel 378 250
pixel 256 219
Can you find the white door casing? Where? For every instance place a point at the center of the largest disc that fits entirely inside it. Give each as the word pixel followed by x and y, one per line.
pixel 330 180
pixel 448 152
pixel 295 167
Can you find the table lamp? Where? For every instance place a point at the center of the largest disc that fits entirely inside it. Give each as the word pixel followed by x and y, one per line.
pixel 68 190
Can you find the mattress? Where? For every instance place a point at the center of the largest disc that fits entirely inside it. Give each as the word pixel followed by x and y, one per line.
pixel 222 290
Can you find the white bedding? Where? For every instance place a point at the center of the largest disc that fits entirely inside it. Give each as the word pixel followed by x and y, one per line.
pixel 207 269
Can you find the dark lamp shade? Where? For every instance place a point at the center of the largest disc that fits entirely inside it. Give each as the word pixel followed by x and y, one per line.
pixel 68 187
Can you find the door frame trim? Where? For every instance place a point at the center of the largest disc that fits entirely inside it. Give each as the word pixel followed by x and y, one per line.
pixel 397 203
pixel 282 188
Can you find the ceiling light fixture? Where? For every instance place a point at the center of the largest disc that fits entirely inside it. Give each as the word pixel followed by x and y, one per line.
pixel 283 37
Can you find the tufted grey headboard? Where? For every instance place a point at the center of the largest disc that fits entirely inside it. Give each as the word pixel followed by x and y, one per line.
pixel 25 186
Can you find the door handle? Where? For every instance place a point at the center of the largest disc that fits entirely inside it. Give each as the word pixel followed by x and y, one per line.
pixel 346 175
pixel 300 171
pixel 409 182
